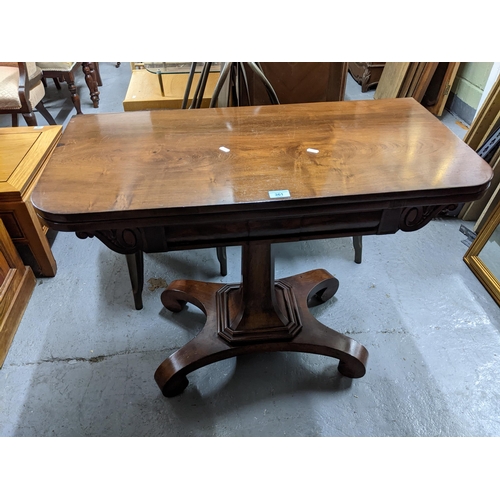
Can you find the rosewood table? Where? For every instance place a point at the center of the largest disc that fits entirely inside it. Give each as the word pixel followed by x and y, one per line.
pixel 155 181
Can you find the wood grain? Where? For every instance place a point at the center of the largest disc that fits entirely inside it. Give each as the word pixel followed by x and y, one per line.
pixel 23 155
pixel 412 84
pixel 410 75
pixel 391 80
pixel 115 165
pixel 424 80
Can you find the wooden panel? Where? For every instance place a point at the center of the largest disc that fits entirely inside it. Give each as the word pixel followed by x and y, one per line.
pixel 29 147
pixel 10 222
pixel 391 80
pixel 405 80
pixel 4 269
pixel 443 92
pixel 13 148
pixel 337 81
pixel 432 93
pixel 477 132
pixel 412 85
pixel 424 80
pixel 410 75
pixel 296 82
pixel 17 284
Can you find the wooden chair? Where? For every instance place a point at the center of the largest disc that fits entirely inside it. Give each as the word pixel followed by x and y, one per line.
pixel 22 91
pixel 65 71
pixel 331 88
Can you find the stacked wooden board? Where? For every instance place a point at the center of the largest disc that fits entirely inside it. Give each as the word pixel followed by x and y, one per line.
pixel 430 84
pixel 427 82
pixel 484 137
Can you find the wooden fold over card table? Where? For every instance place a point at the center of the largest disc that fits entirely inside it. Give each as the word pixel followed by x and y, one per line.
pixel 253 176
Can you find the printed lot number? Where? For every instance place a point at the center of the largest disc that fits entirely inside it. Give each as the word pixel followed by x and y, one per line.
pixel 284 193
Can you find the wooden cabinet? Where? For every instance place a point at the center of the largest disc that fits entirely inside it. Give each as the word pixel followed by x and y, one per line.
pixel 367 74
pixel 17 282
pixel 296 82
pixel 24 151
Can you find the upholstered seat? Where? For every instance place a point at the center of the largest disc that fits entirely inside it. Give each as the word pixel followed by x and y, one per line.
pixel 63 71
pixel 21 91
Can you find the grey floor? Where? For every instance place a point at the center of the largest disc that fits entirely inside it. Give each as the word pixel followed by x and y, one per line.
pixel 83 359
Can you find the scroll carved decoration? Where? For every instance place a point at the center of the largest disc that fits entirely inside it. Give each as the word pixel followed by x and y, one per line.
pixel 413 218
pixel 124 241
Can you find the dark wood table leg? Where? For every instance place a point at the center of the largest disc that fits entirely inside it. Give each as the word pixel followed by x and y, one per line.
pixel 259 315
pixel 91 81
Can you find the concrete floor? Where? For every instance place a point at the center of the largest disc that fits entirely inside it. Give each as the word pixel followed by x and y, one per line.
pixel 83 359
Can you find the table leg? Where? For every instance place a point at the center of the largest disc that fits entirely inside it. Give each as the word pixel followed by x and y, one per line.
pixel 251 317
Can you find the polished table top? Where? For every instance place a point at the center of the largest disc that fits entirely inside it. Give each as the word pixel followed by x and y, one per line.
pixel 165 163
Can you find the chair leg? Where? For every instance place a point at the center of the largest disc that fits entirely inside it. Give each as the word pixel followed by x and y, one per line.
pixel 30 119
pixel 97 74
pixel 358 248
pixel 15 120
pixel 221 256
pixel 43 111
pixel 56 83
pixel 135 264
pixel 70 80
pixel 91 81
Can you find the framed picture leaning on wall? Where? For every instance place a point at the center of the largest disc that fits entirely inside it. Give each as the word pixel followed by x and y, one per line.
pixel 483 256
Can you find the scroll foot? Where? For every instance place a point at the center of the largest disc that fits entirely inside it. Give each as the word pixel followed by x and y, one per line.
pixel 209 347
pixel 323 291
pixel 174 386
pixel 171 300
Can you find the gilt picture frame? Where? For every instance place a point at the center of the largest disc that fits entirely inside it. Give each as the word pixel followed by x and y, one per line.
pixel 483 256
